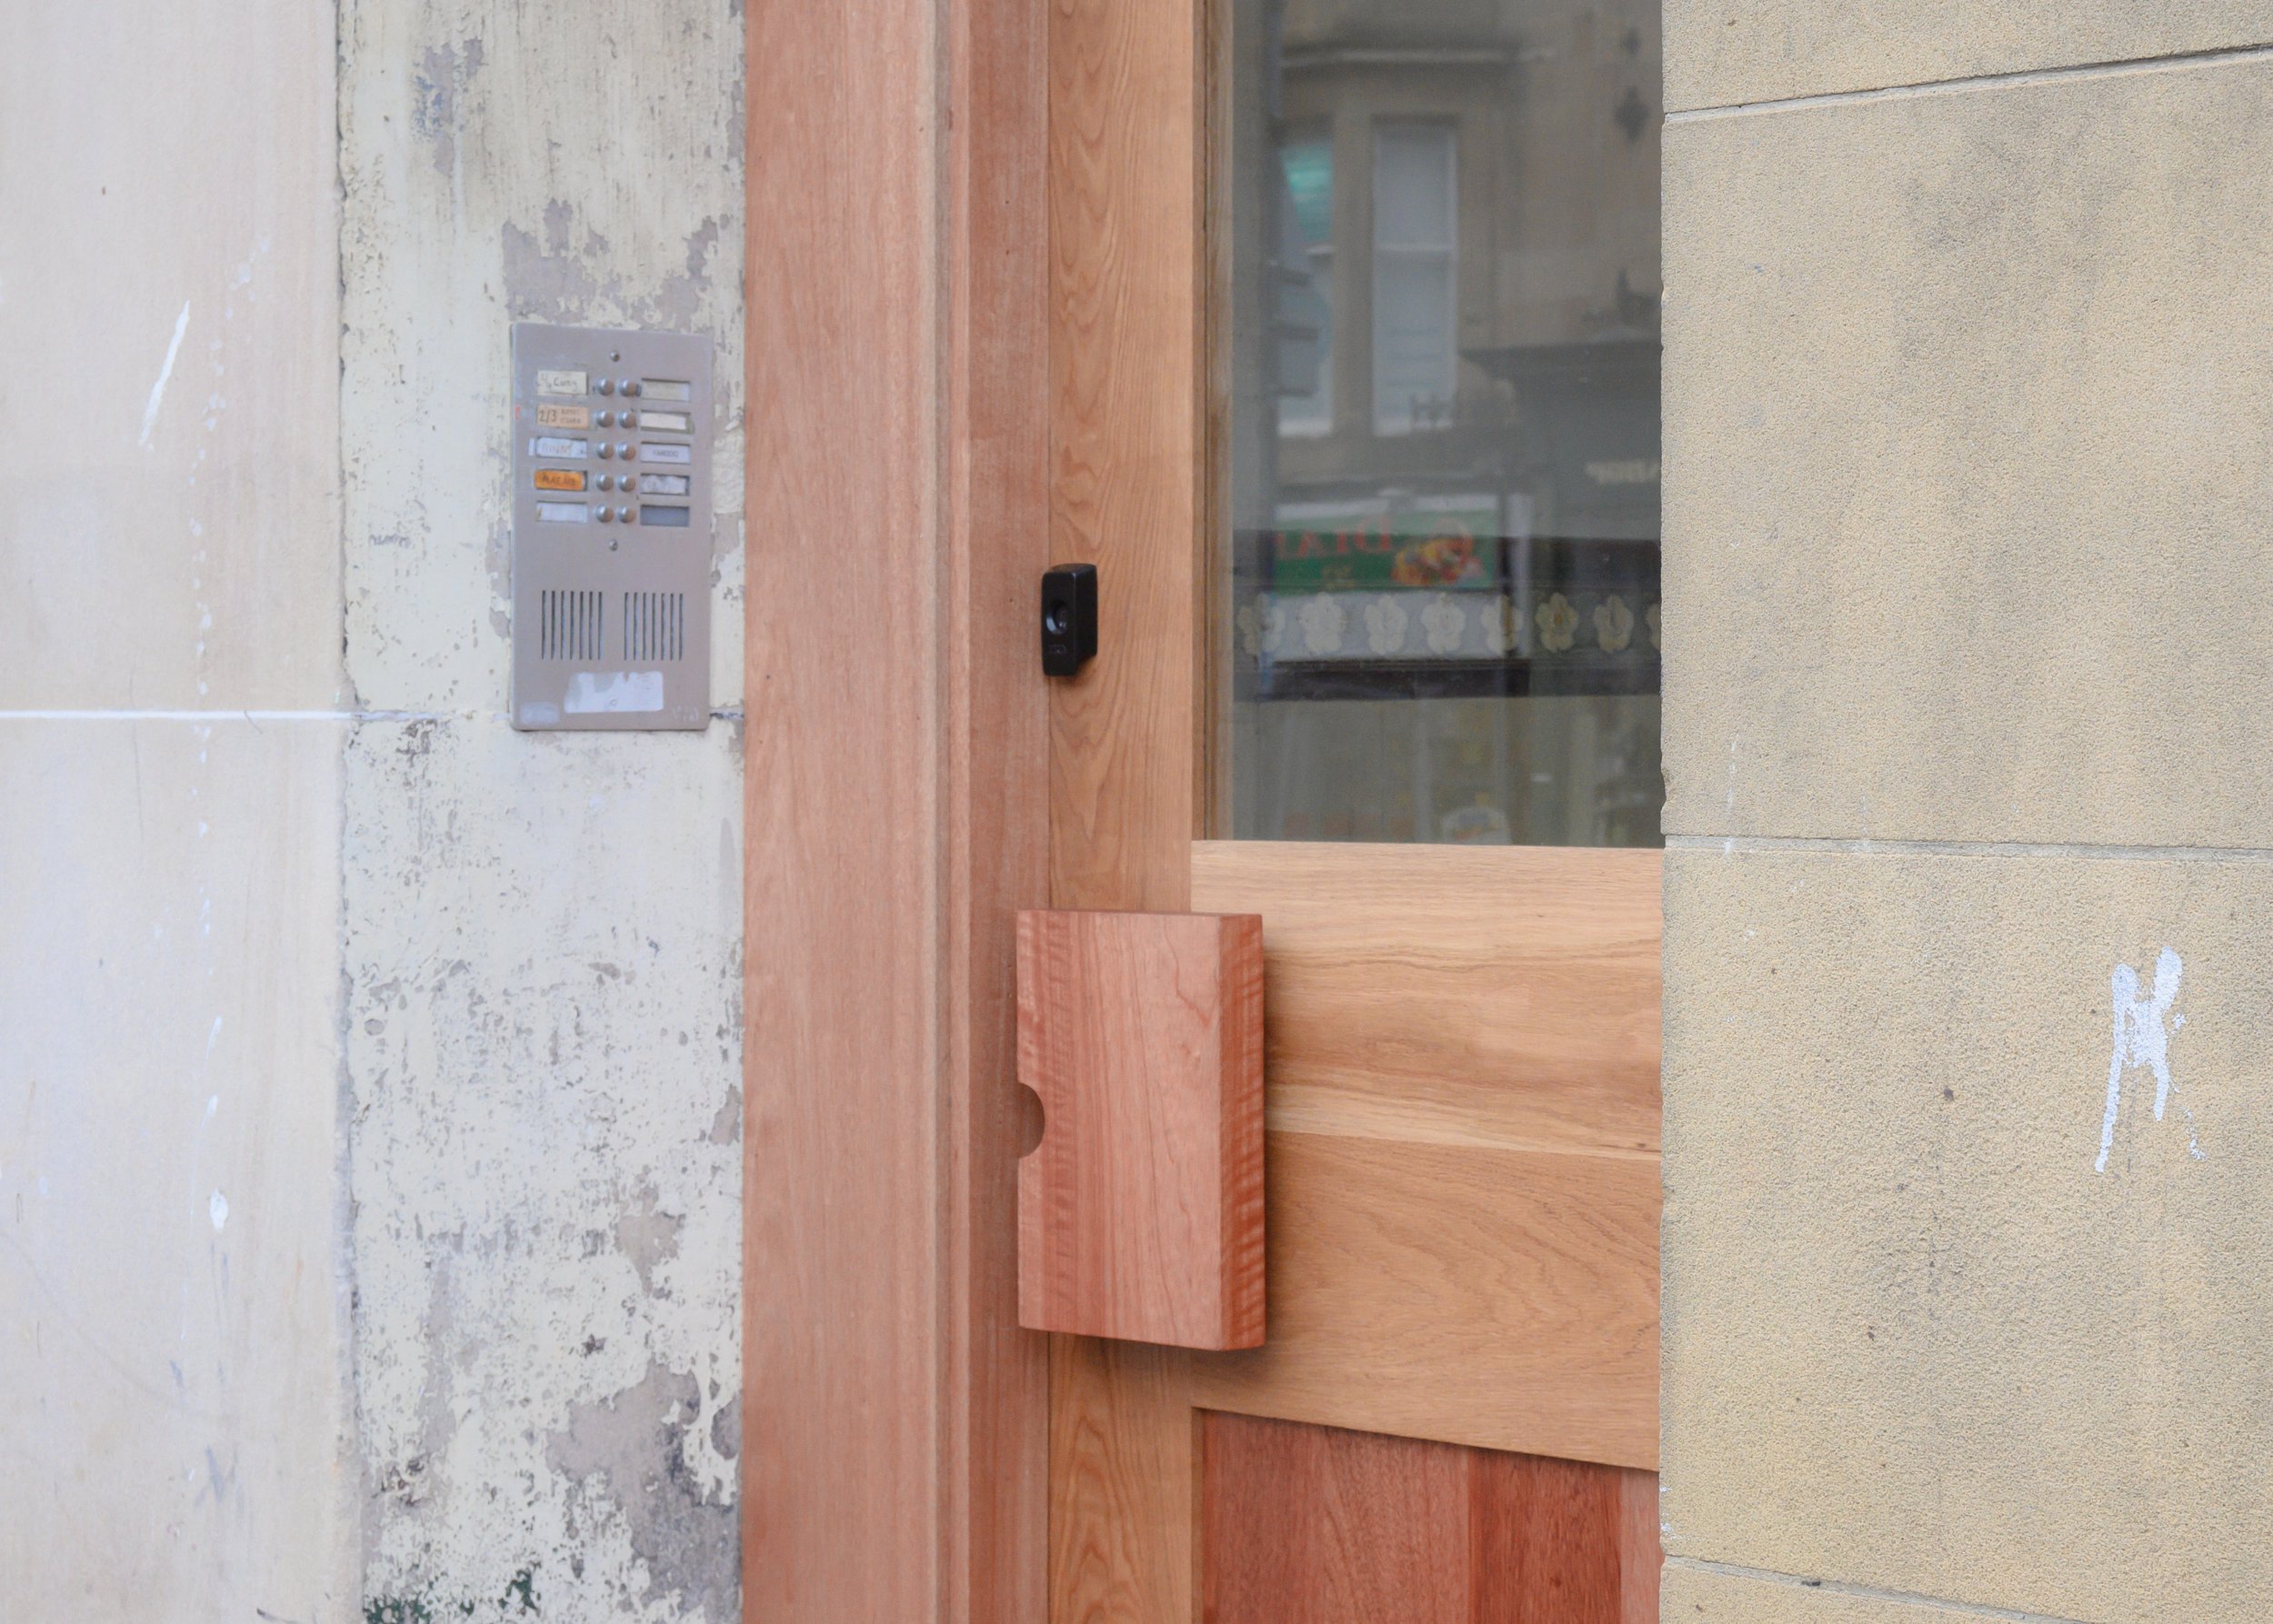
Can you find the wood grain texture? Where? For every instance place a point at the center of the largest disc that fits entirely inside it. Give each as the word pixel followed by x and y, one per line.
pixel 1140 1213
pixel 1501 1297
pixel 1465 1193
pixel 994 1443
pixel 1502 995
pixel 1125 482
pixel 1641 1547
pixel 896 1416
pixel 1317 1524
pixel 1124 1490
pixel 843 883
pixel 1546 1540
pixel 1307 1524
pixel 1127 488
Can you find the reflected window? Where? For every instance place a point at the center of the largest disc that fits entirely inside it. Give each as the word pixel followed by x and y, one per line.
pixel 1442 570
pixel 1413 229
pixel 1305 270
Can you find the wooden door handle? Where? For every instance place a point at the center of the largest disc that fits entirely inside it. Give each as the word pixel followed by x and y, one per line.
pixel 1140 1213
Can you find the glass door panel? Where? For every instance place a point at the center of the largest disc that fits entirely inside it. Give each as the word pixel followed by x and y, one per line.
pixel 1442 571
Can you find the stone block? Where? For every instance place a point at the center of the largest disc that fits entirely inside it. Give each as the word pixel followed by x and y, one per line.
pixel 169 314
pixel 173 1343
pixel 1919 1335
pixel 1723 52
pixel 1969 465
pixel 498 166
pixel 543 984
pixel 1702 1596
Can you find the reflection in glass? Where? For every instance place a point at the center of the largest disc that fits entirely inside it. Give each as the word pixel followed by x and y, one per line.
pixel 1444 561
pixel 1306 293
pixel 1414 366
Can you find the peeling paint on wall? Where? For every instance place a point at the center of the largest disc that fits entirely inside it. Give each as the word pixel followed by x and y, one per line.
pixel 505 162
pixel 543 938
pixel 544 1025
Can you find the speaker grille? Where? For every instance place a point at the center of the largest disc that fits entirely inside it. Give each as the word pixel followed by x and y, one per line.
pixel 654 627
pixel 571 628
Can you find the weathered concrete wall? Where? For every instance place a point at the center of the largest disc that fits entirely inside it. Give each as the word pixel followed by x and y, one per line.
pixel 543 959
pixel 174 1423
pixel 369 1104
pixel 1969 505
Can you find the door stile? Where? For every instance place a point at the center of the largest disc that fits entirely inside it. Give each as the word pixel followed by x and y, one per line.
pixel 994 1465
pixel 1126 422
pixel 1133 388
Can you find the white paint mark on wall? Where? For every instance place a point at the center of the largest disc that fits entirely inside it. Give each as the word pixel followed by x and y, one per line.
pixel 218 1207
pixel 166 373
pixel 2142 1037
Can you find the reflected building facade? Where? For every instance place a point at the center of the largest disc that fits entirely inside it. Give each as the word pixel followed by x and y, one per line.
pixel 1442 619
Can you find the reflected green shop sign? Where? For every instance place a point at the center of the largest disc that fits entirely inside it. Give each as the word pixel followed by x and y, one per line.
pixel 1434 548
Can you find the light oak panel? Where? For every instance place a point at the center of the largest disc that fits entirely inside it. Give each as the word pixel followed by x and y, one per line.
pixel 1464 1186
pixel 1140 1213
pixel 1128 488
pixel 1126 479
pixel 1124 1490
pixel 1504 996
pixel 1506 1298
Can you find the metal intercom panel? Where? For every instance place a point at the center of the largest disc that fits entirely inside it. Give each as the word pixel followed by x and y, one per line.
pixel 611 529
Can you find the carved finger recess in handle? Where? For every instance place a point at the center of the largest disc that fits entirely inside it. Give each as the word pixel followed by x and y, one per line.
pixel 1140 1213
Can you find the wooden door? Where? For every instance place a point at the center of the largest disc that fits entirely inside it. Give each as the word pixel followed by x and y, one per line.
pixel 1455 1415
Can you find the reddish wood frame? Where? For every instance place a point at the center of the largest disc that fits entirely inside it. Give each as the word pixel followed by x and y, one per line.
pixel 895 1453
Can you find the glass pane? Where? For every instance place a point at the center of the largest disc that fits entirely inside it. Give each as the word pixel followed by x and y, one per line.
pixel 1443 568
pixel 1413 360
pixel 1305 292
pixel 1412 185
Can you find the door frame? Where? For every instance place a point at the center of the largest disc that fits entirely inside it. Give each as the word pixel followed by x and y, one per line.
pixel 896 805
pixel 943 386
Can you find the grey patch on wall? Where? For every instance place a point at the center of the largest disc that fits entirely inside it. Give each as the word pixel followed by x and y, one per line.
pixel 726 1126
pixel 498 557
pixel 436 114
pixel 634 1443
pixel 726 1430
pixel 544 283
pixel 684 298
pixel 549 278
pixel 544 1165
pixel 542 1219
pixel 648 1236
pixel 408 1480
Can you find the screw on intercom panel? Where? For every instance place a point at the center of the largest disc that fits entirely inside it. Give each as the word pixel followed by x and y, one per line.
pixel 1069 619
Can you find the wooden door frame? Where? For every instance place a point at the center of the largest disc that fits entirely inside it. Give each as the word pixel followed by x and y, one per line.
pixel 979 275
pixel 896 805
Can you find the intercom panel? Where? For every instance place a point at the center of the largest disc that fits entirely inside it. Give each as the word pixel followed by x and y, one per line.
pixel 611 528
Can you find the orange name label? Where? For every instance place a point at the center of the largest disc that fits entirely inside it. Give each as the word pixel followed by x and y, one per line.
pixel 559 480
